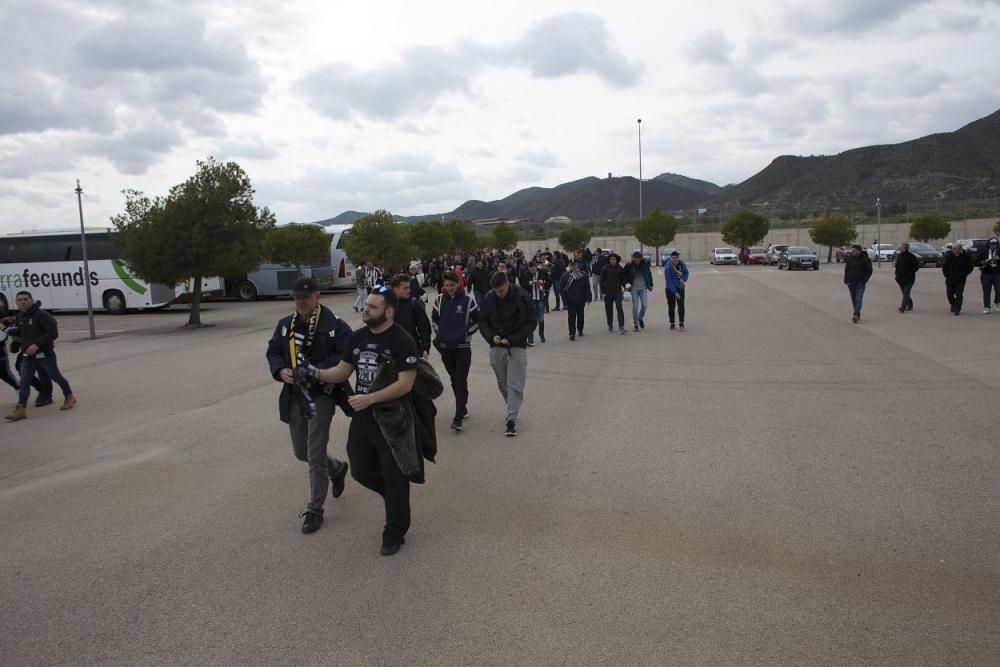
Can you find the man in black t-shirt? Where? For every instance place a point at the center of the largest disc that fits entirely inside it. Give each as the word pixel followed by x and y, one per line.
pixel 372 462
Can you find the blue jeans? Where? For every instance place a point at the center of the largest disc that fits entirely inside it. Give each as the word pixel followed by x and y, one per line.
pixel 540 314
pixel 857 296
pixel 29 364
pixel 639 294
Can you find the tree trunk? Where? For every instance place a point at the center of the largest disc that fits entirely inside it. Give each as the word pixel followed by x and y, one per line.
pixel 829 254
pixel 194 320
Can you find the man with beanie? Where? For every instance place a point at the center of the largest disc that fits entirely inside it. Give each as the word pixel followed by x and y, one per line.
pixel 506 319
pixel 310 335
pixel 675 276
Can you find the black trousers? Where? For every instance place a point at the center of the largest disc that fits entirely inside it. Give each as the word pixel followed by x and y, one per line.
pixel 674 302
pixel 574 313
pixel 955 290
pixel 614 301
pixel 907 303
pixel 457 363
pixel 373 467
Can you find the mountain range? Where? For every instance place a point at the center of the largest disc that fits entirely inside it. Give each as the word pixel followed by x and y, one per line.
pixel 950 165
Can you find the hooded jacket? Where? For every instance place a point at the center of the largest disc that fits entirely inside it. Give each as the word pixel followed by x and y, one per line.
pixel 414 320
pixel 612 278
pixel 670 276
pixel 479 280
pixel 631 269
pixel 512 317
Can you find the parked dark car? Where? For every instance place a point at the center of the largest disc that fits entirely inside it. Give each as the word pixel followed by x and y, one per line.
pixel 798 257
pixel 926 254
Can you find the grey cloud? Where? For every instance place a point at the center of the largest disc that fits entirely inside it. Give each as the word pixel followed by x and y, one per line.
pixel 251 149
pixel 710 48
pixel 553 48
pixel 846 16
pixel 573 43
pixel 540 158
pixel 134 151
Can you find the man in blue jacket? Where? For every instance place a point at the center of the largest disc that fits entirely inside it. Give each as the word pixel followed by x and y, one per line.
pixel 455 318
pixel 638 280
pixel 311 335
pixel 675 275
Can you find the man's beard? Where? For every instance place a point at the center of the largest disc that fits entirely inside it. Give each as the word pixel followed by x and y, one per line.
pixel 375 322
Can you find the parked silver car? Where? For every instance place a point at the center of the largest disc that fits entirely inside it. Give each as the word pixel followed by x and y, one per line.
pixel 774 252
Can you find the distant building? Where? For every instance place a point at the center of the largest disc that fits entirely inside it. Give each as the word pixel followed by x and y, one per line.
pixel 487 223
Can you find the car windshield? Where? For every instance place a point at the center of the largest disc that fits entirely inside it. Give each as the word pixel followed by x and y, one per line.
pixel 922 247
pixel 886 246
pixel 756 251
pixel 796 250
pixel 723 251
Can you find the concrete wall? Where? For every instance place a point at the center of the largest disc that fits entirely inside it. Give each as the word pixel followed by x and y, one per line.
pixel 697 246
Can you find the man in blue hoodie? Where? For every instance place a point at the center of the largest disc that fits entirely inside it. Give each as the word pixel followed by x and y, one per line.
pixel 455 318
pixel 675 275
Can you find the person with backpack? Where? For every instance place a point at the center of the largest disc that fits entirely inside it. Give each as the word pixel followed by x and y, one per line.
pixel 576 292
pixel 506 319
pixel 455 319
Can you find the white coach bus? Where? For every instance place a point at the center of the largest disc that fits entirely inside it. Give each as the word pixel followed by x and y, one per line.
pixel 50 266
pixel 337 269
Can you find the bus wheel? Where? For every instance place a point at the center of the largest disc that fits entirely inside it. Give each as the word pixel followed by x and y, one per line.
pixel 245 291
pixel 114 302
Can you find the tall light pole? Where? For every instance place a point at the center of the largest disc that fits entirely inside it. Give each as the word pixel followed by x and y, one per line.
pixel 86 265
pixel 639 123
pixel 878 231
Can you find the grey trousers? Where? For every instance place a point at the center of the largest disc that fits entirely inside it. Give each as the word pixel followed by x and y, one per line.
pixel 511 368
pixel 309 441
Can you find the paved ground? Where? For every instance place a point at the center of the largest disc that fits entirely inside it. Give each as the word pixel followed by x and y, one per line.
pixel 776 485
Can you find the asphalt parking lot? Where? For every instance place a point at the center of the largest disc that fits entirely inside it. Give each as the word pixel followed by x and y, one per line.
pixel 774 485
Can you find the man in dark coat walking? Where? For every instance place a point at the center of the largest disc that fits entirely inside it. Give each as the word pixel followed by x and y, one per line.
pixel 857 273
pixel 957 266
pixel 907 266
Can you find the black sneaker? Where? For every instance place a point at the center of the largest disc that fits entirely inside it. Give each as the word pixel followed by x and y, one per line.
pixel 312 523
pixel 580 333
pixel 392 548
pixel 511 429
pixel 541 338
pixel 42 402
pixel 621 332
pixel 642 324
pixel 572 337
pixel 672 326
pixel 531 344
pixel 682 325
pixel 456 424
pixel 635 327
pixel 337 476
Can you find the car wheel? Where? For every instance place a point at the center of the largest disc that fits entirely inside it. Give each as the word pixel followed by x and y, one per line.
pixel 815 267
pixel 114 302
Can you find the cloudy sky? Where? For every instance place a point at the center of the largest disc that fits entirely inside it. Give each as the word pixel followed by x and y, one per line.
pixel 417 107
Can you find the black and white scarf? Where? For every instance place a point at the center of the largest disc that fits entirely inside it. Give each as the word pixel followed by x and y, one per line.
pixel 300 342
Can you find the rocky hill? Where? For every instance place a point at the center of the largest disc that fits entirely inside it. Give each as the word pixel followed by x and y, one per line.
pixel 951 165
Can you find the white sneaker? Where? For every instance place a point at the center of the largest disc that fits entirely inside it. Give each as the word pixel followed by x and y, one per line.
pixel 986 311
pixel 996 307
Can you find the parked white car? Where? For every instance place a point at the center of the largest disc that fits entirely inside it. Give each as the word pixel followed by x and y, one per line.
pixel 883 252
pixel 723 256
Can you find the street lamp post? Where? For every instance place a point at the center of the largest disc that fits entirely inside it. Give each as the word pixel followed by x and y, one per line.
pixel 878 231
pixel 639 122
pixel 86 265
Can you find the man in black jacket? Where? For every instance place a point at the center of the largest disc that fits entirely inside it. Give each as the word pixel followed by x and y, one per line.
pixel 413 319
pixel 857 273
pixel 535 282
pixel 907 266
pixel 956 268
pixel 506 319
pixel 310 335
pixel 989 266
pixel 478 281
pixel 37 331
pixel 612 284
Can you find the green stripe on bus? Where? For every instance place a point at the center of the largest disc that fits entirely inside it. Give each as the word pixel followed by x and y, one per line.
pixel 126 278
